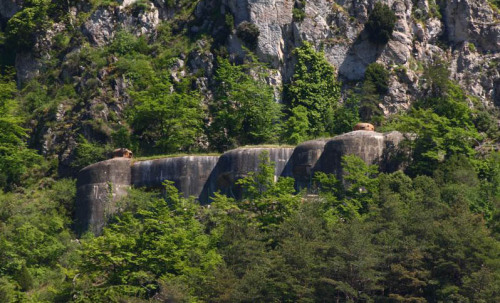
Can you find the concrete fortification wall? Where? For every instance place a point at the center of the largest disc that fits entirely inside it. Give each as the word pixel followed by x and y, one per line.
pixel 101 184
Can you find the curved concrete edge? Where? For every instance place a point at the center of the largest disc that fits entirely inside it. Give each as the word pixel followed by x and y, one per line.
pixel 189 173
pixel 100 185
pixel 367 145
pixel 238 163
pixel 304 161
pixel 116 170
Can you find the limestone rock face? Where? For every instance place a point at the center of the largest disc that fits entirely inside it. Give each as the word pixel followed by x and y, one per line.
pixel 337 28
pixel 189 174
pixel 472 21
pixel 105 22
pixel 99 186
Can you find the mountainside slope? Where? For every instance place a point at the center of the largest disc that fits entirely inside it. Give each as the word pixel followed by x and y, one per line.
pixel 81 68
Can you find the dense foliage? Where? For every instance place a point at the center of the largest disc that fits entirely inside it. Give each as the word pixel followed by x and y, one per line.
pixel 16 160
pixel 381 23
pixel 371 237
pixel 429 233
pixel 243 110
pixel 314 86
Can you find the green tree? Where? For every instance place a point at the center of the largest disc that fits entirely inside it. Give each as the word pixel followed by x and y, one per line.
pixel 297 126
pixel 441 121
pixel 243 110
pixel 381 23
pixel 347 116
pixel 271 201
pixel 16 160
pixel 315 87
pixel 154 242
pixel 168 121
pixel 379 76
pixel 25 24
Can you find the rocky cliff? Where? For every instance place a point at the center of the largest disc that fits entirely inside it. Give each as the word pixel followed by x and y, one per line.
pixel 463 33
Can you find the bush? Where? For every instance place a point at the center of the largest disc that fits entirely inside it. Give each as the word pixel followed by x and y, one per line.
pixel 298 14
pixel 243 109
pixel 87 153
pixel 23 26
pixel 379 76
pixel 298 11
pixel 248 32
pixel 381 24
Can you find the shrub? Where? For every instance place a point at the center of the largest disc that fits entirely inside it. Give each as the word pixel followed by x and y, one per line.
pixel 379 76
pixel 472 47
pixel 23 26
pixel 243 110
pixel 248 32
pixel 87 153
pixel 381 24
pixel 229 21
pixel 298 14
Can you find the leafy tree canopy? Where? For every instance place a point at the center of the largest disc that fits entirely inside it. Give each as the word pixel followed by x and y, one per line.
pixel 381 23
pixel 314 86
pixel 243 110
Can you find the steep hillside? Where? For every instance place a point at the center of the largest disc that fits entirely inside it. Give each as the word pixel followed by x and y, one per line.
pixel 412 215
pixel 84 68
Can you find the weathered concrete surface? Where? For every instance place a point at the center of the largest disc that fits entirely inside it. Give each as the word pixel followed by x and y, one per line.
pixel 394 155
pixel 99 186
pixel 189 173
pixel 368 145
pixel 304 162
pixel 236 164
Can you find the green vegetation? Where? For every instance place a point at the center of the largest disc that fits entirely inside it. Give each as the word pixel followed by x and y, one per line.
pixel 380 24
pixel 243 110
pixel 430 233
pixel 299 11
pixel 170 122
pixel 25 24
pixel 17 162
pixel 313 86
pixel 373 235
pixel 433 12
pixel 378 76
pixel 249 33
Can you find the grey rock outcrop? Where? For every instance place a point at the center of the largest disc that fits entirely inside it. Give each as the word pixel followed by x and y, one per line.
pixel 337 28
pixel 105 22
